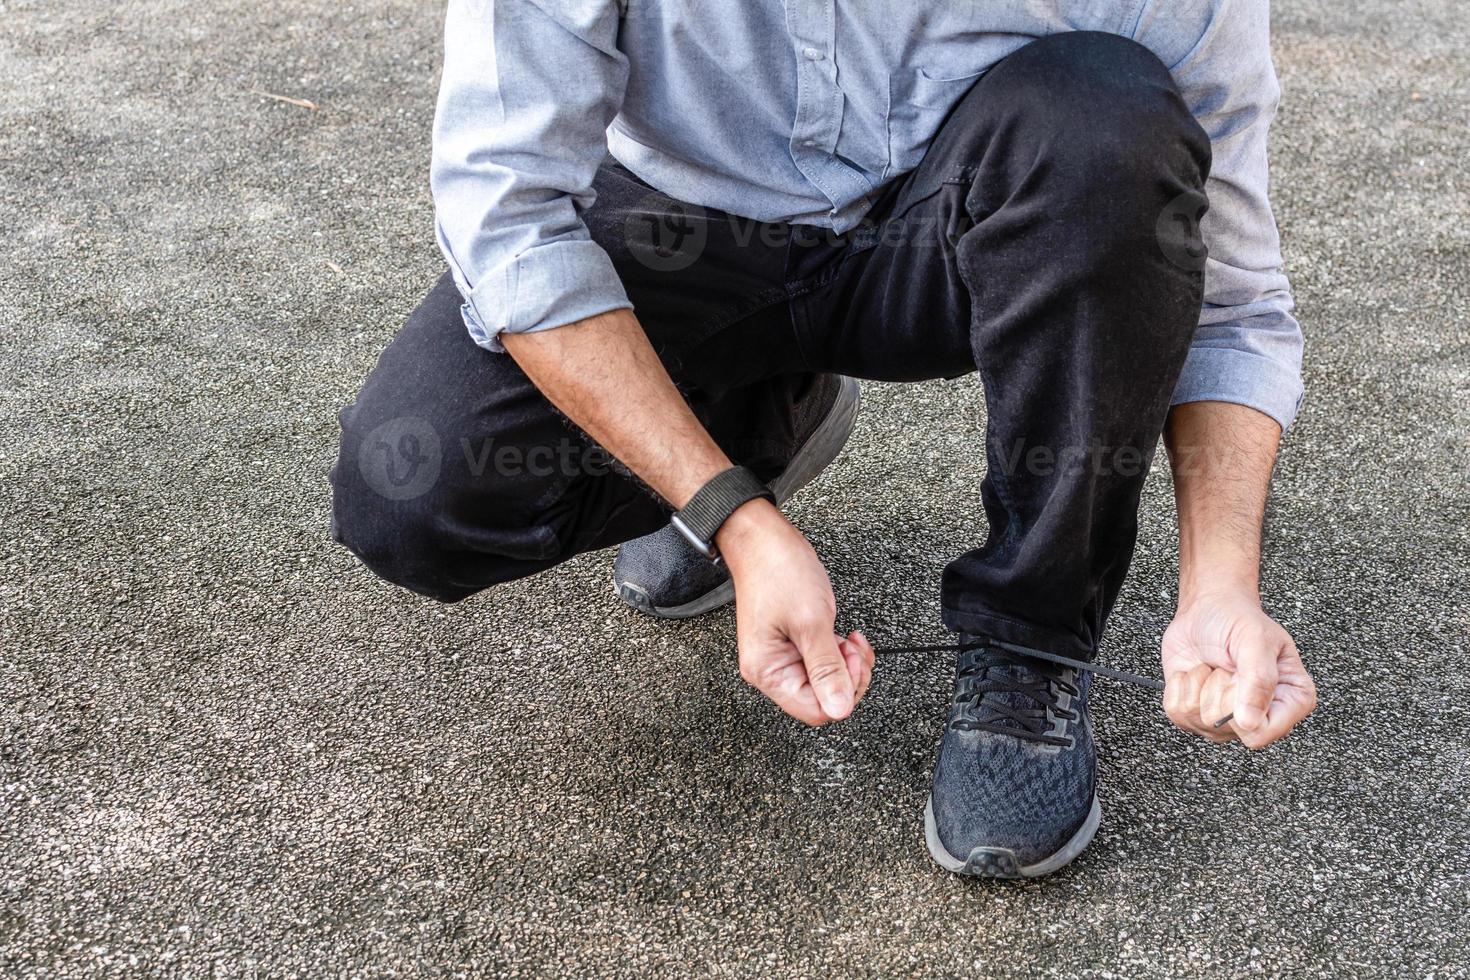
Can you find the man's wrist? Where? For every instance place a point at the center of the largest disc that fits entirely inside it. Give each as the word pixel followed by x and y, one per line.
pixel 702 516
pixel 752 522
pixel 1236 583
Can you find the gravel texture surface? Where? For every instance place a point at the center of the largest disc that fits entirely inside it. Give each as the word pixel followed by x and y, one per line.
pixel 225 749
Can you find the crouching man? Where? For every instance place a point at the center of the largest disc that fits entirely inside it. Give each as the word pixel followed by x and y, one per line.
pixel 686 225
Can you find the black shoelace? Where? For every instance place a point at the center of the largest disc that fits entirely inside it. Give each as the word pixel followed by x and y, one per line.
pixel 984 686
pixel 1118 675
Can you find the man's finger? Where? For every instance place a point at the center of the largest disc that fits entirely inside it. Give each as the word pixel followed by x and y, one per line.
pixel 1182 697
pixel 788 690
pixel 1255 683
pixel 827 671
pixel 1289 708
pixel 1173 694
pixel 1216 696
pixel 856 669
pixel 859 656
pixel 859 645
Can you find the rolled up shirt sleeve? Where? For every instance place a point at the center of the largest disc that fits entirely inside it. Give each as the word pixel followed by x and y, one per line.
pixel 528 90
pixel 1247 348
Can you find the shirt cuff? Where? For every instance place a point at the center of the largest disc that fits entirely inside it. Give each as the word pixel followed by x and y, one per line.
pixel 1223 374
pixel 548 286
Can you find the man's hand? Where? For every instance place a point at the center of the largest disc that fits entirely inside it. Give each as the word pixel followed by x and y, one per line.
pixel 784 614
pixel 1223 655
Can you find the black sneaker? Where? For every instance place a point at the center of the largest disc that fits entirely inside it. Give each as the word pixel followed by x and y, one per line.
pixel 662 575
pixel 1015 789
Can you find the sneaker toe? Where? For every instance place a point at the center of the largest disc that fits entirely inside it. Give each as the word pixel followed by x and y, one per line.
pixel 661 571
pixel 1033 816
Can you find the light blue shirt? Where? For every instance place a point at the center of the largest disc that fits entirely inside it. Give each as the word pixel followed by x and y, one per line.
pixel 800 111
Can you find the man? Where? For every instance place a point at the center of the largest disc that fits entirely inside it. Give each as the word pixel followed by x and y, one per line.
pixel 800 193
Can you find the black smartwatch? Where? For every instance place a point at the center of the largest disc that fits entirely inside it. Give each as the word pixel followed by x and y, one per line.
pixel 712 505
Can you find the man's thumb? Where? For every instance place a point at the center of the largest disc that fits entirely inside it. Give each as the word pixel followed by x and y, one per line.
pixel 1255 683
pixel 827 671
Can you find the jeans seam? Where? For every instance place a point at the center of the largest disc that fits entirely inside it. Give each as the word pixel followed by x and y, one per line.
pixel 987 388
pixel 800 327
pixel 799 322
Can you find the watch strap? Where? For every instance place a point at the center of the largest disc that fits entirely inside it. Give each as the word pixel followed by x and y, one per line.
pixel 706 512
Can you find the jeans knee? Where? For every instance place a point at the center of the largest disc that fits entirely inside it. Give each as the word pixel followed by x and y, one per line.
pixel 440 521
pixel 1106 112
pixel 1097 140
pixel 387 503
pixel 396 539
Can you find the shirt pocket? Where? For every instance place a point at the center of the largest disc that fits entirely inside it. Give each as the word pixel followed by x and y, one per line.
pixel 918 102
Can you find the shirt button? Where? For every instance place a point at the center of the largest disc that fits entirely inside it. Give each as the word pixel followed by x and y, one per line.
pixel 812 54
pixel 808 142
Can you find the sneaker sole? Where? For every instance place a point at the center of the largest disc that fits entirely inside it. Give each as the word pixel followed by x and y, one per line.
pixel 635 596
pixel 815 455
pixel 1000 862
pixel 823 445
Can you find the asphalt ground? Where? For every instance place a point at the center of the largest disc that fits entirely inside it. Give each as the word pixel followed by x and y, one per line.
pixel 228 750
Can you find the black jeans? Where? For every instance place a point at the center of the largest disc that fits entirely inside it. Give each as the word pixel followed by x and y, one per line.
pixel 1035 242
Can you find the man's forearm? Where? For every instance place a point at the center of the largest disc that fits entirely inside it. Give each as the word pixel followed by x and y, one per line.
pixel 604 375
pixel 1222 456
